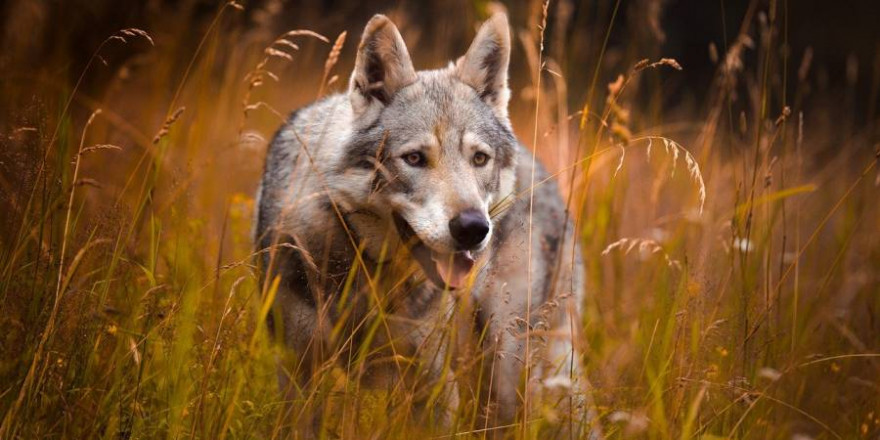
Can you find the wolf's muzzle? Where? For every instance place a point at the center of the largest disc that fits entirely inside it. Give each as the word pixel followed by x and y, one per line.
pixel 469 228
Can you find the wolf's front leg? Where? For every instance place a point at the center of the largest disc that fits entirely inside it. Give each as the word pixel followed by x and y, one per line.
pixel 563 386
pixel 502 378
pixel 440 406
pixel 425 342
pixel 555 380
pixel 303 357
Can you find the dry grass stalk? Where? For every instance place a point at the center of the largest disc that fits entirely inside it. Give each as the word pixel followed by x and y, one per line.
pixel 257 77
pixel 132 32
pixel 645 246
pixel 32 382
pixel 332 59
pixel 100 147
pixel 166 126
pixel 673 149
pixel 540 67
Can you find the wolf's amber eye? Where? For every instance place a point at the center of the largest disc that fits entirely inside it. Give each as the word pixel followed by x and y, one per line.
pixel 415 159
pixel 480 159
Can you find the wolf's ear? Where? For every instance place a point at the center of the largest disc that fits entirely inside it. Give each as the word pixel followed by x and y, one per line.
pixel 484 66
pixel 382 66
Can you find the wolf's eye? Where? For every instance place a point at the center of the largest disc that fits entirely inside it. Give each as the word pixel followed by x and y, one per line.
pixel 415 159
pixel 480 159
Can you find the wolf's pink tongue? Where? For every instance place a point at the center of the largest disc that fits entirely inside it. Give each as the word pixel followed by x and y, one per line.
pixel 455 269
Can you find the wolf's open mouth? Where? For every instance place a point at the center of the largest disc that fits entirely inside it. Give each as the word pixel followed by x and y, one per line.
pixel 442 269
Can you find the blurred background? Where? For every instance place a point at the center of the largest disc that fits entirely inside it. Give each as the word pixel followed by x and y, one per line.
pixel 759 318
pixel 843 37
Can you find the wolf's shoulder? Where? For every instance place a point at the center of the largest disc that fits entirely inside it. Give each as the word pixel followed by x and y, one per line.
pixel 550 210
pixel 320 126
pixel 330 112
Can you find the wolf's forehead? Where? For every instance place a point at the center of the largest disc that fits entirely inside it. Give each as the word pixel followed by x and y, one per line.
pixel 438 101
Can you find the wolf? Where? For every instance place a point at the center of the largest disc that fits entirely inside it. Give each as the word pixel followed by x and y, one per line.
pixel 401 216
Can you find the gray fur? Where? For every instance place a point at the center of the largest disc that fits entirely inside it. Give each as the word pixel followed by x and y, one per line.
pixel 334 181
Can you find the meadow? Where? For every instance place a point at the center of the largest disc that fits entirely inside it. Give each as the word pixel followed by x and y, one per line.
pixel 731 233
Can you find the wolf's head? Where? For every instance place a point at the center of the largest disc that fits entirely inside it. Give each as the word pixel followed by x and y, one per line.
pixel 432 150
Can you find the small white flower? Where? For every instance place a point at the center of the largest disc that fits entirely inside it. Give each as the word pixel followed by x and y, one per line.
pixel 558 381
pixel 769 373
pixel 743 244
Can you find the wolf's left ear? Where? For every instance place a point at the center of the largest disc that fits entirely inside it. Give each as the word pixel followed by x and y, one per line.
pixel 382 66
pixel 484 66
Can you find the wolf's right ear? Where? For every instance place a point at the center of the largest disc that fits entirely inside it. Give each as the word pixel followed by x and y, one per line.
pixel 382 66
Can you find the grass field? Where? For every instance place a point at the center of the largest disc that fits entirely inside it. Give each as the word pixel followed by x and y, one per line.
pixel 732 245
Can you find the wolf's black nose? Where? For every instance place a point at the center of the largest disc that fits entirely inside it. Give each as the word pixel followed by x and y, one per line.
pixel 469 228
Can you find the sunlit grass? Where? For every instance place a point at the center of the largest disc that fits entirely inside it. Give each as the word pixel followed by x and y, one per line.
pixel 732 270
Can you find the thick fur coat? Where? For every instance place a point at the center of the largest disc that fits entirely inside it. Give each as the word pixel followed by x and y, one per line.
pixel 406 203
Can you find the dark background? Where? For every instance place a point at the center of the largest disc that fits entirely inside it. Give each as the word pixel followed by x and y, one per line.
pixel 34 32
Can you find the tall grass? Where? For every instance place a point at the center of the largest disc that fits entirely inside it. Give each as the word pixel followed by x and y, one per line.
pixel 732 261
